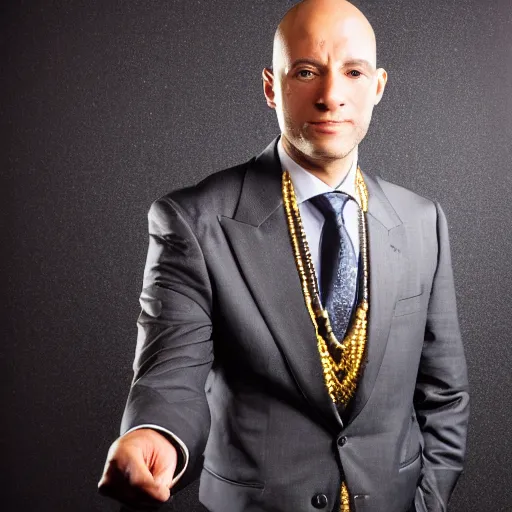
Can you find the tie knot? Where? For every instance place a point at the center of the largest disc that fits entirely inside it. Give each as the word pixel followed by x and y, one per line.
pixel 331 204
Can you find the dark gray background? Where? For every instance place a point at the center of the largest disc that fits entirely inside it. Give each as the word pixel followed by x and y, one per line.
pixel 105 106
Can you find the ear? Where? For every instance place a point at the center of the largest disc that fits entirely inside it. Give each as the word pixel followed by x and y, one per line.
pixel 268 86
pixel 382 78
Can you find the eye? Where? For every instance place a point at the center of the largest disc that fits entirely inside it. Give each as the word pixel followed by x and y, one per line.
pixel 305 73
pixel 355 73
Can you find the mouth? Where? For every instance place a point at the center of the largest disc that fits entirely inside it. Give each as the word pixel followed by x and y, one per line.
pixel 331 121
pixel 329 126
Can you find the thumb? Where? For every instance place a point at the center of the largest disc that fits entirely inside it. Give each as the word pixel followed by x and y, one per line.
pixel 164 476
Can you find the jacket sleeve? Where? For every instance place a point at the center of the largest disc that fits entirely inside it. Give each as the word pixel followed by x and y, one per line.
pixel 441 395
pixel 174 350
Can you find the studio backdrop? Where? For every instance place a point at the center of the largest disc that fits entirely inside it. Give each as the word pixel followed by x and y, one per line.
pixel 106 106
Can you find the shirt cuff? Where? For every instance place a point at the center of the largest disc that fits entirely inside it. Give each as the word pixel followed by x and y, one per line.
pixel 181 444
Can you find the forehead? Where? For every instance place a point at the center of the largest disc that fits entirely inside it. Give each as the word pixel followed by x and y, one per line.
pixel 325 38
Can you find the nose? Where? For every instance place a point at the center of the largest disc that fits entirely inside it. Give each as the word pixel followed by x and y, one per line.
pixel 331 94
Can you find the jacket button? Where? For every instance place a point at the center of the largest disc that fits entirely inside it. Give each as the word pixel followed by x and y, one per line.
pixel 342 441
pixel 319 501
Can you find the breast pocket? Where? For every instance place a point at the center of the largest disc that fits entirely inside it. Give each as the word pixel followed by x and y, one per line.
pixel 409 305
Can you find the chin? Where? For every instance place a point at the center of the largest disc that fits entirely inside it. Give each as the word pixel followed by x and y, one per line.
pixel 331 151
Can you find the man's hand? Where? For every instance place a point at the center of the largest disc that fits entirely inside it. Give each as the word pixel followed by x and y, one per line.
pixel 139 469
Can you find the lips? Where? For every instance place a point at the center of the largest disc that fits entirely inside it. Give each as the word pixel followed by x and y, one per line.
pixel 328 126
pixel 329 122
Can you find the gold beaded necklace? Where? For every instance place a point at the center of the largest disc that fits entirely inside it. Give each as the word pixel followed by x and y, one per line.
pixel 341 361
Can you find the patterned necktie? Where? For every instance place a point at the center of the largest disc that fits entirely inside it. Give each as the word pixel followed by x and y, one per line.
pixel 339 266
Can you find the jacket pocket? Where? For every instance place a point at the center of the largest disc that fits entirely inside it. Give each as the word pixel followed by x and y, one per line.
pixel 411 449
pixel 410 461
pixel 219 493
pixel 253 485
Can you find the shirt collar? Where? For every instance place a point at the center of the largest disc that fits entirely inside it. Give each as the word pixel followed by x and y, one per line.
pixel 307 185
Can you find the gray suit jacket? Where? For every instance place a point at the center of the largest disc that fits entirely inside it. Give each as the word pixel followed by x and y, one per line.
pixel 227 359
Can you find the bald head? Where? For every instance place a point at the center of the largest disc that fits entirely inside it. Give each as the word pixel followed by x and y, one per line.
pixel 324 83
pixel 321 21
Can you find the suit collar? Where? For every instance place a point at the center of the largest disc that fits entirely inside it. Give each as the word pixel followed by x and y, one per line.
pixel 379 206
pixel 261 192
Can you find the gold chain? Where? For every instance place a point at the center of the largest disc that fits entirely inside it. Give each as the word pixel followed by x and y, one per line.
pixel 341 362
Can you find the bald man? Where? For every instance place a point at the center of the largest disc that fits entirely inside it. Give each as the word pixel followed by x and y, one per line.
pixel 298 325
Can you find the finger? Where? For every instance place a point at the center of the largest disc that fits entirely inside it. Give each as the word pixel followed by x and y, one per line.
pixel 164 479
pixel 164 467
pixel 140 478
pixel 163 472
pixel 131 482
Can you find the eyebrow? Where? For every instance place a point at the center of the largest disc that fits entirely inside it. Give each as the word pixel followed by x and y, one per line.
pixel 352 62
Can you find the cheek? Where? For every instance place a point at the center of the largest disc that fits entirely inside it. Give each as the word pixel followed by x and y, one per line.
pixel 364 107
pixel 293 110
pixel 296 98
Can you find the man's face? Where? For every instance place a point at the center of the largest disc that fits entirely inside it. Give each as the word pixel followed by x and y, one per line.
pixel 325 85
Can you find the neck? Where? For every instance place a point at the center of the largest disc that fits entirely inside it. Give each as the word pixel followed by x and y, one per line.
pixel 330 171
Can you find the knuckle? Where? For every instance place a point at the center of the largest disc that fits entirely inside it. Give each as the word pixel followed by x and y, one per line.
pixel 137 481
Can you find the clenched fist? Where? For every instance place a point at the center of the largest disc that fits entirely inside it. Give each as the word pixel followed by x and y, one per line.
pixel 139 469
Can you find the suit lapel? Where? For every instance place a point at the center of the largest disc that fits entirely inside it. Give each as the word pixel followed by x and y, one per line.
pixel 385 236
pixel 259 237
